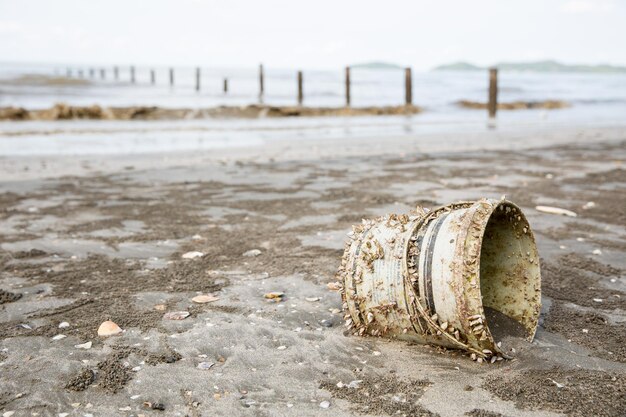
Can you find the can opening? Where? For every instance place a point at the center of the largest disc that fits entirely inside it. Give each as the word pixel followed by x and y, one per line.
pixel 509 275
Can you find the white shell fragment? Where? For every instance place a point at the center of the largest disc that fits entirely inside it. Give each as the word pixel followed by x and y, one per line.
pixel 108 328
pixel 203 299
pixel 176 315
pixel 59 337
pixel 325 404
pixel 312 299
pixel 252 252
pixel 556 210
pixel 63 325
pixel 205 365
pixel 86 345
pixel 192 255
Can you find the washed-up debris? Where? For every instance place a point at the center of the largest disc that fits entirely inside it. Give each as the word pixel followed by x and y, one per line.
pixel 59 337
pixel 312 299
pixel 63 325
pixel 25 326
pixel 334 286
pixel 154 406
pixel 86 345
pixel 205 365
pixel 391 264
pixel 192 255
pixel 176 315
pixel 276 296
pixel 108 328
pixel 556 210
pixel 203 299
pixel 325 404
pixel 252 253
pixel 160 307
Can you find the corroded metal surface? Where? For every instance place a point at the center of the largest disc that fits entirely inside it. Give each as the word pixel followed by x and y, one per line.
pixel 427 276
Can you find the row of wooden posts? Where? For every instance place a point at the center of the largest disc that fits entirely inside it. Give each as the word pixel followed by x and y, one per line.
pixel 408 84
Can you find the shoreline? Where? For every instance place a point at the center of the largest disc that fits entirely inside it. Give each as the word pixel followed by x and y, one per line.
pixel 62 111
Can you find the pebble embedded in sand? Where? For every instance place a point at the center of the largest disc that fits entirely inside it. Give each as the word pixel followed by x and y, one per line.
pixel 108 328
pixel 252 252
pixel 86 345
pixel 203 299
pixel 192 255
pixel 176 315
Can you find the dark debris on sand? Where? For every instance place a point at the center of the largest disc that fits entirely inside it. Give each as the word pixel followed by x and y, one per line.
pixel 377 395
pixel 580 393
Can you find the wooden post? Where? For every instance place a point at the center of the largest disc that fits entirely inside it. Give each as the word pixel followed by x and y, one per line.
pixel 132 75
pixel 300 90
pixel 408 87
pixel 80 73
pixel 225 85
pixel 198 79
pixel 116 73
pixel 492 106
pixel 261 82
pixel 90 72
pixel 102 74
pixel 68 73
pixel 152 77
pixel 171 77
pixel 347 86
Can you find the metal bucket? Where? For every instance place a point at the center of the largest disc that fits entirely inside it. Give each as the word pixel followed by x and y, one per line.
pixel 440 277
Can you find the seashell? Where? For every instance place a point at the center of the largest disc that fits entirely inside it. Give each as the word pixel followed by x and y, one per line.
pixel 86 345
pixel 252 253
pixel 176 315
pixel 203 299
pixel 108 328
pixel 192 255
pixel 205 365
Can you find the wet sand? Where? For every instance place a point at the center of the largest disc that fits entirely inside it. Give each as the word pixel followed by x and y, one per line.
pixel 91 238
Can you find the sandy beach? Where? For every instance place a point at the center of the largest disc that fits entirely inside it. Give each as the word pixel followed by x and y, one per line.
pixel 87 238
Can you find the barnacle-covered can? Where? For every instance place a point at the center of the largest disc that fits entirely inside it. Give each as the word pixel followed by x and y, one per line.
pixel 444 276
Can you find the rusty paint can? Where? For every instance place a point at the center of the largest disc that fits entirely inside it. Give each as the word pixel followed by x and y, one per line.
pixel 444 276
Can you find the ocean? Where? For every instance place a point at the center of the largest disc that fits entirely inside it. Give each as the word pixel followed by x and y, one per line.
pixel 595 99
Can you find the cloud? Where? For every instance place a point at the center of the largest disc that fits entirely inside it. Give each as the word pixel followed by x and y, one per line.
pixel 588 6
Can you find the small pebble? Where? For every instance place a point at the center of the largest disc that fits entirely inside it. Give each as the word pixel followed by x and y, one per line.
pixel 281 347
pixel 252 253
pixel 63 325
pixel 325 404
pixel 86 345
pixel 59 337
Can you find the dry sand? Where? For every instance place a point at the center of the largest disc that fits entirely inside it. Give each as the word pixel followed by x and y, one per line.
pixel 86 239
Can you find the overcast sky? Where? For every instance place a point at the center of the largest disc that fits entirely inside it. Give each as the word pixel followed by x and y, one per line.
pixel 311 34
